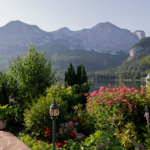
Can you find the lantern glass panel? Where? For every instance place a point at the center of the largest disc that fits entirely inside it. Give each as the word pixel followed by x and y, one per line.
pixel 54 112
pixel 11 99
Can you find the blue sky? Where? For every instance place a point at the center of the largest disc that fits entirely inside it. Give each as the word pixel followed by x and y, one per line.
pixel 51 15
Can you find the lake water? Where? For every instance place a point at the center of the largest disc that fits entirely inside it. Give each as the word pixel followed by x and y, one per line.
pixel 97 84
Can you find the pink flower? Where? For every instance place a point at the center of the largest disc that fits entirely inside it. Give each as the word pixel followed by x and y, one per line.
pixel 111 95
pixel 109 85
pixel 86 94
pixel 130 105
pixel 101 103
pixel 105 100
pixel 94 92
pixel 90 99
pixel 125 100
pixel 101 88
pixel 110 102
pixel 118 104
pixel 122 93
pixel 142 91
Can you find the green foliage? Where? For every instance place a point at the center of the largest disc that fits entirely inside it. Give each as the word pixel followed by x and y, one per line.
pixel 127 136
pixel 144 42
pixel 97 141
pixel 4 90
pixel 66 92
pixel 3 112
pixel 29 77
pixel 85 121
pixel 37 117
pixel 33 144
pixel 15 117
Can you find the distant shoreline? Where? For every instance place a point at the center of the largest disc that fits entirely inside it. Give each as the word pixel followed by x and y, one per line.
pixel 121 80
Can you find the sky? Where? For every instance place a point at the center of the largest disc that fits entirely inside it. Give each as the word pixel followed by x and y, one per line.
pixel 51 15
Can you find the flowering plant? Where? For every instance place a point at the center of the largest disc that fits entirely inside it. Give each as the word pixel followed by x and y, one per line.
pixel 128 102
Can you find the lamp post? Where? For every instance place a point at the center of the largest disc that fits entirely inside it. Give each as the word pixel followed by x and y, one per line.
pixel 54 112
pixel 11 99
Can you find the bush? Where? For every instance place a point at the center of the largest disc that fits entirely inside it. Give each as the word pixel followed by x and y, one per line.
pixel 31 143
pixel 37 117
pixel 123 104
pixel 99 140
pixel 66 92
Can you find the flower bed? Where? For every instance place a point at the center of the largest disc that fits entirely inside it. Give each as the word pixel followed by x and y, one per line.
pixel 115 118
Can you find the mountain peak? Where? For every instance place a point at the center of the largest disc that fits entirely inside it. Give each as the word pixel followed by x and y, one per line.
pixel 104 25
pixel 140 34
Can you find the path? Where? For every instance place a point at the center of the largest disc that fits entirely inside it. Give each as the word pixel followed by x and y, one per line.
pixel 10 142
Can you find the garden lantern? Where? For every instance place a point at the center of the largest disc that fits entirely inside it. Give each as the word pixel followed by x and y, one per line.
pixel 54 112
pixel 11 99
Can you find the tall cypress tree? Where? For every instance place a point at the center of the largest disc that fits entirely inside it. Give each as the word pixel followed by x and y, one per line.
pixel 70 76
pixel 81 75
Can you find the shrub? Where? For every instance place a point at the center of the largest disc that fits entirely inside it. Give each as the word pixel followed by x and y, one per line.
pixel 37 117
pixel 31 143
pixel 66 93
pixel 127 104
pixel 99 140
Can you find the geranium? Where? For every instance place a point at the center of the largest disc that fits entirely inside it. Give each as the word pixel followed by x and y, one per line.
pixel 59 145
pixel 48 131
pixel 68 119
pixel 73 134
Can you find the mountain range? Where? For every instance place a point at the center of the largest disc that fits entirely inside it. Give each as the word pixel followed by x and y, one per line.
pixel 103 46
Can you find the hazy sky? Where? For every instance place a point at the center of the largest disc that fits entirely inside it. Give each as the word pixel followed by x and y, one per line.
pixel 51 15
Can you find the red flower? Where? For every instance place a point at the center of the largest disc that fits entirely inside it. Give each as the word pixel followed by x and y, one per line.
pixel 75 121
pixel 73 135
pixel 48 132
pixel 47 129
pixel 68 119
pixel 58 145
pixel 60 128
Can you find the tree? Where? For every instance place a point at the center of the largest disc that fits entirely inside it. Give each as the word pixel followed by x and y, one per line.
pixel 81 76
pixel 33 74
pixel 70 75
pixel 80 79
pixel 146 61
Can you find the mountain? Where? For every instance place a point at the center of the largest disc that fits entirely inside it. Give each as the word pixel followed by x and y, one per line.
pixel 139 47
pixel 140 34
pixel 102 47
pixel 104 37
pixel 137 52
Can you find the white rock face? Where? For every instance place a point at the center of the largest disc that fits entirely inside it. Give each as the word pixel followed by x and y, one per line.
pixel 104 37
pixel 134 51
pixel 140 34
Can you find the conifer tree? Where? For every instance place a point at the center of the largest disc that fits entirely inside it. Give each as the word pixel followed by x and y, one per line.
pixel 81 75
pixel 70 75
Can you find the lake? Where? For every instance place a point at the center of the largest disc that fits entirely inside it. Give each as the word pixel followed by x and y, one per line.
pixel 97 84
